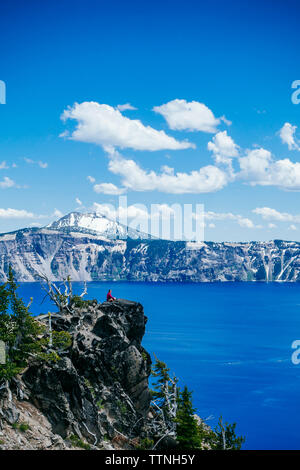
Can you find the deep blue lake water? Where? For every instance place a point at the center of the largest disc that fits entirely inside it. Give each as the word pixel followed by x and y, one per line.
pixel 228 342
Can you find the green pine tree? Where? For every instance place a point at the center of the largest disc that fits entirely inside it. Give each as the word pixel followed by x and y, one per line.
pixel 22 334
pixel 187 428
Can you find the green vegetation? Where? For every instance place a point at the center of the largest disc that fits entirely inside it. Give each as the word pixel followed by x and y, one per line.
pixel 24 336
pixel 77 442
pixel 23 427
pixel 20 332
pixel 145 444
pixel 178 418
pixel 100 404
pixel 226 437
pixel 78 302
pixel 122 407
pixel 90 387
pixel 144 356
pixel 61 340
pixel 187 430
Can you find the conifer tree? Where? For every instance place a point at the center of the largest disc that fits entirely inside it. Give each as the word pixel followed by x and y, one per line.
pixel 22 334
pixel 187 427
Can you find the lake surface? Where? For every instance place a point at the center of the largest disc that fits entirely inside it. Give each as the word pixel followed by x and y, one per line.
pixel 228 342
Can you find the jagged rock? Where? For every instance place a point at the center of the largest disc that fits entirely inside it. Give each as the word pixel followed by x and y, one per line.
pixel 99 388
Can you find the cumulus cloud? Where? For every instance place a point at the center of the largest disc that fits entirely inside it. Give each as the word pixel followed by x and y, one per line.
pixel 78 201
pixel 223 147
pixel 15 214
pixel 207 179
pixel 130 212
pixel 292 227
pixel 126 107
pixel 267 213
pixel 287 135
pixel 221 216
pixel 191 116
pixel 259 168
pixel 91 179
pixel 104 125
pixel 7 183
pixel 245 222
pixel 108 188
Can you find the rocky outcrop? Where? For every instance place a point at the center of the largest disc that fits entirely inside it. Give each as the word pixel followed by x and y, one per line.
pixel 97 391
pixel 86 256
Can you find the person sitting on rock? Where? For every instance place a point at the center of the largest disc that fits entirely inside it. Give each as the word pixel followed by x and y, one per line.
pixel 109 297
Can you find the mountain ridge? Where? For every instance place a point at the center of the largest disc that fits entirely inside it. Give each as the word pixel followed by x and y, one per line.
pixel 59 251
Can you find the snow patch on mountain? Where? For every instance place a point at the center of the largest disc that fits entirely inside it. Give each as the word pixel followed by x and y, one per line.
pixel 93 223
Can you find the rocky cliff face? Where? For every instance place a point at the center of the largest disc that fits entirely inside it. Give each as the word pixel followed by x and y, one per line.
pixel 98 390
pixel 86 256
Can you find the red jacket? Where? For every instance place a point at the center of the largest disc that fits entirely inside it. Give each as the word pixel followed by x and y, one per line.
pixel 109 296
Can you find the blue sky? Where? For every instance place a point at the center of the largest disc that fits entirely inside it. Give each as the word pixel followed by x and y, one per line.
pixel 213 120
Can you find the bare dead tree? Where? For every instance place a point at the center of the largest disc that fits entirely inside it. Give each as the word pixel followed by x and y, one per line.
pixel 63 300
pixel 165 410
pixel 223 436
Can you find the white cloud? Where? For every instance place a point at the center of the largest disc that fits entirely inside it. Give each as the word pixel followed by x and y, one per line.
pixel 125 107
pixel 130 212
pixel 267 213
pixel 223 147
pixel 3 166
pixel 210 215
pixel 245 222
pixel 104 125
pixel 91 179
pixel 78 201
pixel 287 135
pixel 192 116
pixel 57 213
pixel 35 224
pixel 34 162
pixel 206 179
pixel 272 225
pixel 221 216
pixel 259 168
pixel 255 164
pixel 7 183
pixel 15 214
pixel 108 188
pixel 292 227
pixel 42 164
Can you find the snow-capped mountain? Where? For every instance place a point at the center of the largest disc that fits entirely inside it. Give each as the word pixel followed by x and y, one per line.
pixel 95 224
pixel 90 247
